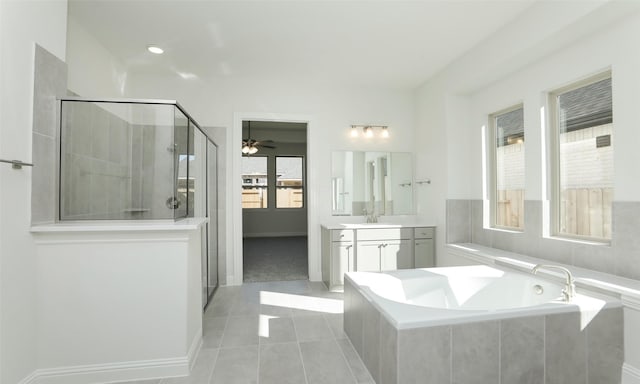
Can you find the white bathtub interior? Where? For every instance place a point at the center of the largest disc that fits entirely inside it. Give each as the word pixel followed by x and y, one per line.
pixel 450 295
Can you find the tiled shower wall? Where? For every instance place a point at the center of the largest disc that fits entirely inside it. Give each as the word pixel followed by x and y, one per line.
pixel 98 171
pixel 621 257
pixel 113 165
pixel 50 83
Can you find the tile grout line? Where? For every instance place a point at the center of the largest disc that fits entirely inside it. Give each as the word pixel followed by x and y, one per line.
pixel 499 352
pixel 304 370
pixel 259 357
pixel 214 365
pixel 347 361
pixel 326 321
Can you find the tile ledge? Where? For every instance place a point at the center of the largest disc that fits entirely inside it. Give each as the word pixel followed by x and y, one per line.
pixel 627 289
pixel 188 224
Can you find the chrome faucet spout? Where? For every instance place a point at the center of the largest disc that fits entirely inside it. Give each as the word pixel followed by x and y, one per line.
pixel 569 290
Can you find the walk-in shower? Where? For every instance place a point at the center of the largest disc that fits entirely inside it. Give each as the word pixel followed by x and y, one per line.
pixel 138 160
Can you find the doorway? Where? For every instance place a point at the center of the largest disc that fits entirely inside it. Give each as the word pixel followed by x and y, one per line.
pixel 274 201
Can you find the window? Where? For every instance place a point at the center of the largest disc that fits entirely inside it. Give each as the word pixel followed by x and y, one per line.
pixel 583 159
pixel 254 182
pixel 507 184
pixel 289 182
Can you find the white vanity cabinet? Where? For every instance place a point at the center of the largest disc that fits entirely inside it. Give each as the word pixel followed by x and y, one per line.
pixel 338 253
pixel 424 247
pixel 383 249
pixel 362 248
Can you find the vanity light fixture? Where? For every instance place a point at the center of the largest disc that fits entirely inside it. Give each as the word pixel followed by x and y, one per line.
pixel 369 130
pixel 155 49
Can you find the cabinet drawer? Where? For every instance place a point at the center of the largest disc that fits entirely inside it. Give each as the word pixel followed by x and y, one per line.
pixel 342 235
pixel 384 234
pixel 424 232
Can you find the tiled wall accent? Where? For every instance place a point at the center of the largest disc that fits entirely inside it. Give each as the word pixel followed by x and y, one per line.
pixel 621 258
pixel 49 83
pixel 551 349
pixel 97 168
pixel 458 221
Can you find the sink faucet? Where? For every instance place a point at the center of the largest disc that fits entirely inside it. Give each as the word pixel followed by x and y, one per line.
pixel 371 217
pixel 569 290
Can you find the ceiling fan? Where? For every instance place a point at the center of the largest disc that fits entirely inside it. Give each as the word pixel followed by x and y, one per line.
pixel 250 146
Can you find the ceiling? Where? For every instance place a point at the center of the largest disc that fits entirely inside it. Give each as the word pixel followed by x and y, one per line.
pixel 378 43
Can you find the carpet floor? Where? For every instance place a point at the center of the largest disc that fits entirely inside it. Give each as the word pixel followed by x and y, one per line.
pixel 275 259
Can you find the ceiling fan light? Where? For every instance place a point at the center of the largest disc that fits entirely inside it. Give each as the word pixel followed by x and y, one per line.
pixel 246 149
pixel 253 149
pixel 385 132
pixel 354 131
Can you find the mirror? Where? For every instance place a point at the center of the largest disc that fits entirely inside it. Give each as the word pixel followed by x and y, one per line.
pixel 366 182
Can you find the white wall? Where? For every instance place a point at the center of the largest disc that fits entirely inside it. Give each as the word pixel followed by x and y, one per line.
pixel 459 104
pixel 94 71
pixel 329 110
pixel 98 293
pixel 22 24
pixel 518 64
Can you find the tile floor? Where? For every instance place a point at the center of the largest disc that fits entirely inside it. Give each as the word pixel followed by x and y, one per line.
pixel 274 332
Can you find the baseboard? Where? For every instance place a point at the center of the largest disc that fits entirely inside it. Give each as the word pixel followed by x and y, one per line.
pixel 275 234
pixel 194 349
pixel 630 374
pixel 118 372
pixel 107 373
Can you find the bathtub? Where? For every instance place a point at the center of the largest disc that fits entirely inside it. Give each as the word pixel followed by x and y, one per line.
pixel 411 298
pixel 480 324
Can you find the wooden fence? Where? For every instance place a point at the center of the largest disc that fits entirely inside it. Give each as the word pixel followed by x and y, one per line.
pixel 586 212
pixel 583 212
pixel 286 198
pixel 510 208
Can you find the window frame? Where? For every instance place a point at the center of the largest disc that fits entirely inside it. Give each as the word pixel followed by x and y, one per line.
pixel 493 163
pixel 554 192
pixel 302 187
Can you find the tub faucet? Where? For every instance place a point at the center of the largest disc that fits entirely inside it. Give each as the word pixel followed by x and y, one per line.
pixel 569 290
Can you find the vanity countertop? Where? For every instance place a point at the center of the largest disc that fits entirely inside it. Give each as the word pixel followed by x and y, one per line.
pixel 375 225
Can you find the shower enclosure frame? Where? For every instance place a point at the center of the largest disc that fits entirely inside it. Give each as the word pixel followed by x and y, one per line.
pixel 211 208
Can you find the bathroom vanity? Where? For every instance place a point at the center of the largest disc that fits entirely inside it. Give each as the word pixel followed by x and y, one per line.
pixel 374 247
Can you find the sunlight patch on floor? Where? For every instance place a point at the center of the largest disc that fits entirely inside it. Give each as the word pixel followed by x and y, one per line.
pixel 263 325
pixel 307 303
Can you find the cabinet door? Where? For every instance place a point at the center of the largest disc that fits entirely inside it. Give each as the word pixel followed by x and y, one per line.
pixel 342 261
pixel 397 254
pixel 368 256
pixel 424 252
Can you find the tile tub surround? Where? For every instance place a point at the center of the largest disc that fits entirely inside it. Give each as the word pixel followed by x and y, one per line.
pixel 621 257
pixel 544 349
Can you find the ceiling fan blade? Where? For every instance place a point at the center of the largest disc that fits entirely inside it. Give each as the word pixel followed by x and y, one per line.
pixel 266 146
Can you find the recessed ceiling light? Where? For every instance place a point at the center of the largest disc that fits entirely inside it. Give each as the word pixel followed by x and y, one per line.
pixel 154 49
